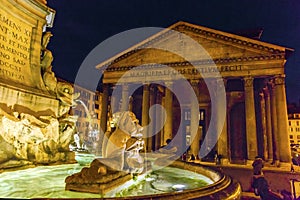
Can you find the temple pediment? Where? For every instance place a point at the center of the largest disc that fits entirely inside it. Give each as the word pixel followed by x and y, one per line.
pixel 218 45
pixel 184 45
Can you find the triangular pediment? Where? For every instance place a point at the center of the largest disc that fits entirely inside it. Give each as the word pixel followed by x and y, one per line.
pixel 173 48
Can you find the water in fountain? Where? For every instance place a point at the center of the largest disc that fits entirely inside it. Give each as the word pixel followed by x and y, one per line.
pixel 48 182
pixel 91 144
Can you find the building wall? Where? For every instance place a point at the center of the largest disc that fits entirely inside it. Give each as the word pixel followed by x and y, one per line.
pixel 294 128
pixel 92 101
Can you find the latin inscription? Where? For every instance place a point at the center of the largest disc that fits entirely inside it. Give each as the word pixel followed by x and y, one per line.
pixel 198 71
pixel 15 37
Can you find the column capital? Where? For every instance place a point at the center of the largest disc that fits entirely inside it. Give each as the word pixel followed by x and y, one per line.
pixel 194 82
pixel 146 87
pixel 271 84
pixel 214 82
pixel 248 81
pixel 279 79
pixel 220 81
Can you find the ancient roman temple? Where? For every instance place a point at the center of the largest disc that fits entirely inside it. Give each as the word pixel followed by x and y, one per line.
pixel 250 71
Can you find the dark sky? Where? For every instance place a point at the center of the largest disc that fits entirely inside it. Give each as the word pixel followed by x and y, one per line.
pixel 80 25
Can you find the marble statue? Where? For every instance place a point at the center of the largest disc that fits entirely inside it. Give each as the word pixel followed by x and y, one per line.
pixel 121 158
pixel 46 64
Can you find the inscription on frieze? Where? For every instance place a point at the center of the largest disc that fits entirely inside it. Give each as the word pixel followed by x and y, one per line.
pixel 168 72
pixel 15 39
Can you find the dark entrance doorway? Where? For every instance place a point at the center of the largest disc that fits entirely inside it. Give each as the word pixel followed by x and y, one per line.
pixel 238 140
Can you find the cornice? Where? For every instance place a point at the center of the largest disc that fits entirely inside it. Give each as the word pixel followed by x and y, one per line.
pixel 232 38
pixel 201 62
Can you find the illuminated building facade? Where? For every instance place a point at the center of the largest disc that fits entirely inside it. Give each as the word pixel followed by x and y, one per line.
pixel 88 109
pixel 294 128
pixel 252 73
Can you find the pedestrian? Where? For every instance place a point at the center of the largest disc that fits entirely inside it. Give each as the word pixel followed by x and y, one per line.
pixel 261 188
pixel 257 166
pixel 217 158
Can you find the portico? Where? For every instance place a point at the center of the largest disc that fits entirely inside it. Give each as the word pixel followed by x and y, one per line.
pixel 251 71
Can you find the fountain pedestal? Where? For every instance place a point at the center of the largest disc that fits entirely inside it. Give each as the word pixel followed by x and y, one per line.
pixel 35 127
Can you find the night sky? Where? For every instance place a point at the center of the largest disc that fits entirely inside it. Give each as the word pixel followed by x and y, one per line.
pixel 80 25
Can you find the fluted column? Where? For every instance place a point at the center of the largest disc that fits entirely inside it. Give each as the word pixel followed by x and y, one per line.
pixel 130 106
pixel 275 136
pixel 250 118
pixel 152 114
pixel 268 122
pixel 158 121
pixel 125 98
pixel 194 126
pixel 168 128
pixel 281 109
pixel 145 114
pixel 263 124
pixel 222 144
pixel 114 99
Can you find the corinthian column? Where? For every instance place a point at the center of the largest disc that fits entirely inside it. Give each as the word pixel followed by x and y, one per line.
pixel 275 136
pixel 282 119
pixel 145 114
pixel 268 122
pixel 168 129
pixel 263 124
pixel 158 121
pixel 130 104
pixel 114 99
pixel 250 118
pixel 152 121
pixel 222 144
pixel 124 104
pixel 194 127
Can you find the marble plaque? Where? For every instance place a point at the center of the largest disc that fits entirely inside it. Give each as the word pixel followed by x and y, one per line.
pixel 15 40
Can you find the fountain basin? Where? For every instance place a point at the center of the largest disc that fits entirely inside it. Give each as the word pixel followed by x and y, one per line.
pixel 48 182
pixel 216 185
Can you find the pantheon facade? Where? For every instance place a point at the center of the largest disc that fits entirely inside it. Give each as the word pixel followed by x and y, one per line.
pixel 251 74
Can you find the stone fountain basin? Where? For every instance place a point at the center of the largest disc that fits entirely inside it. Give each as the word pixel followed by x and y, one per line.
pixel 48 182
pixel 221 186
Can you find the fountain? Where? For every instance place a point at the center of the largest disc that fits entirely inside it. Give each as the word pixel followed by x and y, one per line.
pixel 35 124
pixel 123 169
